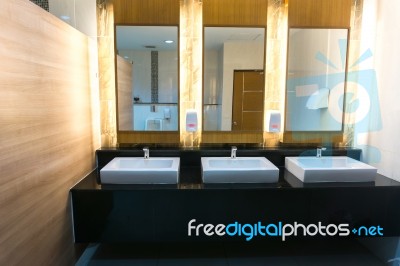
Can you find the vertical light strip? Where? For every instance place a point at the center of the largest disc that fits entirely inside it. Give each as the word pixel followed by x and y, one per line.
pixel 190 35
pixel 105 40
pixel 275 68
pixel 356 21
pixel 94 92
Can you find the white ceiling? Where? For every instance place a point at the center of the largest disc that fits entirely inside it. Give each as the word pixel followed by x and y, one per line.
pixel 137 37
pixel 216 36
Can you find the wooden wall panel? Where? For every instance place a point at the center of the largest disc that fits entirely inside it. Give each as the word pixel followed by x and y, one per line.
pixel 125 100
pixel 317 138
pixel 153 12
pixel 235 12
pixel 46 138
pixel 232 137
pixel 165 137
pixel 319 13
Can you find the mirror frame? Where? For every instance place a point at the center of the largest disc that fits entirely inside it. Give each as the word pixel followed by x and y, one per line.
pixel 234 13
pixel 315 137
pixel 239 137
pixel 142 13
pixel 146 137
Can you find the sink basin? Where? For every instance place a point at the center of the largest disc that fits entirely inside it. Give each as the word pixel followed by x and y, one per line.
pixel 137 170
pixel 238 170
pixel 330 169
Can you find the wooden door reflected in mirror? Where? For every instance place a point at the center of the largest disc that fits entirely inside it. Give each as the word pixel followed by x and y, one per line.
pixel 230 50
pixel 248 100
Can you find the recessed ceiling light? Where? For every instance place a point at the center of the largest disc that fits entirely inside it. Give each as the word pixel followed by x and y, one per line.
pixel 126 57
pixel 168 41
pixel 64 17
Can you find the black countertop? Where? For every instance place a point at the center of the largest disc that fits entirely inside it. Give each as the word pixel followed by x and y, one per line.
pixel 190 168
pixel 286 181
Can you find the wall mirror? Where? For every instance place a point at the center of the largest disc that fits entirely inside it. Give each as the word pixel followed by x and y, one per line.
pixel 233 85
pixel 147 78
pixel 316 74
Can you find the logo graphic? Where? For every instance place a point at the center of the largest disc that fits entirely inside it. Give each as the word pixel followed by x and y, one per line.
pixel 395 261
pixel 320 102
pixel 280 229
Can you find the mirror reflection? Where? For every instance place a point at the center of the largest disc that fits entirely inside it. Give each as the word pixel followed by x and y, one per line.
pixel 233 79
pixel 147 78
pixel 316 79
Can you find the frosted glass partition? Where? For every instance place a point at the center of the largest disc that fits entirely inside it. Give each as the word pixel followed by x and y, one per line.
pixel 316 79
pixel 226 50
pixel 147 89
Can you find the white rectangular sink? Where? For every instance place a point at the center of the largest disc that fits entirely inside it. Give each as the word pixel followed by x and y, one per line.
pixel 238 170
pixel 137 170
pixel 330 169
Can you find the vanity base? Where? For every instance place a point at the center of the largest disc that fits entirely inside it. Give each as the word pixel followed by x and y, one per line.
pixel 162 214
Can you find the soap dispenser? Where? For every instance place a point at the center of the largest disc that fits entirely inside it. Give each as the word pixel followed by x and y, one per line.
pixel 191 120
pixel 273 121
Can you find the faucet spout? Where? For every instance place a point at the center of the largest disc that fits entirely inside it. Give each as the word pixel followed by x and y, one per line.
pixel 233 152
pixel 319 151
pixel 146 152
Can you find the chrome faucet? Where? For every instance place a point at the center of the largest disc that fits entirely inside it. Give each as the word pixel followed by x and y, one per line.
pixel 233 152
pixel 319 151
pixel 146 152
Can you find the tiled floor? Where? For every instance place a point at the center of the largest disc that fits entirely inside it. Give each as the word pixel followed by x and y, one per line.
pixel 300 253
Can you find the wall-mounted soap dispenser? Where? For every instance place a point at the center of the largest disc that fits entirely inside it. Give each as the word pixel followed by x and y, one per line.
pixel 273 121
pixel 191 120
pixel 167 113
